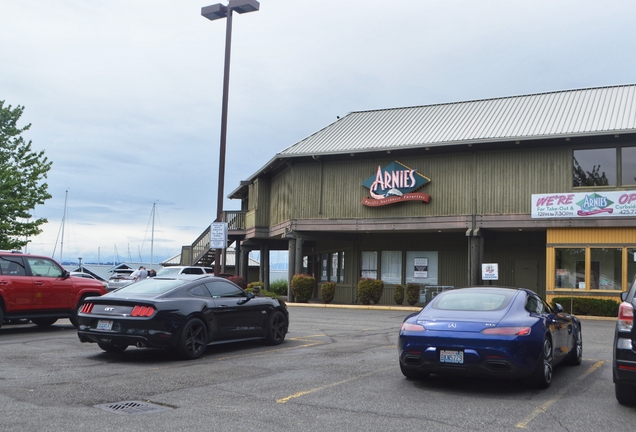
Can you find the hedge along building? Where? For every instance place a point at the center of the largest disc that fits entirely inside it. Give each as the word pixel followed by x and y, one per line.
pixel 537 191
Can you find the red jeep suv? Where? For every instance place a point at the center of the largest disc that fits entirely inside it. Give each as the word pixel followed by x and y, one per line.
pixel 39 289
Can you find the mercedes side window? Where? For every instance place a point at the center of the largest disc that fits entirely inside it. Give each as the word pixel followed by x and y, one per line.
pixel 45 267
pixel 533 305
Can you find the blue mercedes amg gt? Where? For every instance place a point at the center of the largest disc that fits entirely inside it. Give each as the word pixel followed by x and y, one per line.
pixel 492 332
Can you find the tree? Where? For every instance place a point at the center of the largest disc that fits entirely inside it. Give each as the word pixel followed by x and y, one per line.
pixel 587 178
pixel 22 172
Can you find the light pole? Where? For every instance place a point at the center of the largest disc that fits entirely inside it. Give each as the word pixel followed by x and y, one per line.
pixel 212 13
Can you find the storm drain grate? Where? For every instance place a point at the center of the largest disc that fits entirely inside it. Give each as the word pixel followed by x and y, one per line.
pixel 132 407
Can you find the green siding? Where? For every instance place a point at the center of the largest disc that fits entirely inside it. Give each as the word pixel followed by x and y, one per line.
pixel 462 183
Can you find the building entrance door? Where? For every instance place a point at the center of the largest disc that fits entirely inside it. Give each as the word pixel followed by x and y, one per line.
pixel 527 275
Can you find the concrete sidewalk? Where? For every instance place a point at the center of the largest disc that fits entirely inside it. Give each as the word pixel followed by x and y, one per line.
pixel 404 308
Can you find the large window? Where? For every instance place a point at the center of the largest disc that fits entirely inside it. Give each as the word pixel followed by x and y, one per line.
pixel 421 267
pixel 391 267
pixel 594 268
pixel 369 265
pixel 606 268
pixel 596 167
pixel 604 167
pixel 628 165
pixel 570 268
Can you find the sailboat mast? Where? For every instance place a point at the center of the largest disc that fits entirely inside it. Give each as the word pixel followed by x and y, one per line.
pixel 63 221
pixel 152 235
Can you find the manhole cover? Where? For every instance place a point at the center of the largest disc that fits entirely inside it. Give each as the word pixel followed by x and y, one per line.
pixel 132 407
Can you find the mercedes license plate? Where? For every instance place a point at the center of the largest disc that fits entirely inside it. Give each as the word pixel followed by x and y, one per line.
pixel 104 325
pixel 446 356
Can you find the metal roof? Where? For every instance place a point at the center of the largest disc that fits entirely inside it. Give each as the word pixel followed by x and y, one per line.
pixel 569 113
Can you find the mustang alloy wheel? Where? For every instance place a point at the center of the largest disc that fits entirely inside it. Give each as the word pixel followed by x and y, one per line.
pixel 194 339
pixel 277 329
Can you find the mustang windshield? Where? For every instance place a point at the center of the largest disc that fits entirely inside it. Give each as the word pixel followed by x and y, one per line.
pixel 152 286
pixel 469 300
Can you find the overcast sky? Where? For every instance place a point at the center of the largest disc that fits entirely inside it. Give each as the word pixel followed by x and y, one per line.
pixel 124 96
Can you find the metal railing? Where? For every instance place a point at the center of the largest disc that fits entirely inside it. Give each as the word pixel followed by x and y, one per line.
pixel 201 246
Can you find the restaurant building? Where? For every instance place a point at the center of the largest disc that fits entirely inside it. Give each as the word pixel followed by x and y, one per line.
pixel 535 191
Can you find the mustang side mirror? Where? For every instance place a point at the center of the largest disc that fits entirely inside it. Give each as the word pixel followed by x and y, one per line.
pixel 249 297
pixel 558 308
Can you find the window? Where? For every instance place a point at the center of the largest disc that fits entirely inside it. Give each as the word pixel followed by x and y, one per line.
pixel 475 300
pixel 570 268
pixel 595 167
pixel 628 165
pixel 369 265
pixel 631 265
pixel 324 267
pixel 223 289
pixel 391 267
pixel 606 268
pixel 333 275
pixel 603 265
pixel 44 267
pixel 199 291
pixel 604 167
pixel 422 267
pixel 12 266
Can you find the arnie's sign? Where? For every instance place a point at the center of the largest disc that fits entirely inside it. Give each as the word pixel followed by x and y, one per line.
pixel 395 183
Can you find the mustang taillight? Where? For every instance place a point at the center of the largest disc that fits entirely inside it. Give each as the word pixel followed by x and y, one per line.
pixel 87 308
pixel 142 311
pixel 507 331
pixel 625 317
pixel 412 327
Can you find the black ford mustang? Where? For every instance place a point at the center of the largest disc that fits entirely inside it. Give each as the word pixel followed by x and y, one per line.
pixel 184 312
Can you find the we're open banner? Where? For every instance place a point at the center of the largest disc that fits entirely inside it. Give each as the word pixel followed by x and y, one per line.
pixel 584 205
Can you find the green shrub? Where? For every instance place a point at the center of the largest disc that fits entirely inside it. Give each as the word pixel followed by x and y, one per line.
pixel 256 287
pixel 588 306
pixel 302 287
pixel 370 290
pixel 328 292
pixel 279 287
pixel 378 289
pixel 412 293
pixel 398 294
pixel 266 293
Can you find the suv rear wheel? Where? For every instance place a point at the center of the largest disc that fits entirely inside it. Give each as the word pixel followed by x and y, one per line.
pixel 44 322
pixel 625 393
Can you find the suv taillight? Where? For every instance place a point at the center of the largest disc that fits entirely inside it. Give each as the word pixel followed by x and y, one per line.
pixel 625 317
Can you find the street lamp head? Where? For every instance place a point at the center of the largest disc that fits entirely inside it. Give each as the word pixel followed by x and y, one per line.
pixel 243 6
pixel 217 11
pixel 214 12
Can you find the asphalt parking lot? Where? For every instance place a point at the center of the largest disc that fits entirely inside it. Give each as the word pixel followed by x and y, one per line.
pixel 337 370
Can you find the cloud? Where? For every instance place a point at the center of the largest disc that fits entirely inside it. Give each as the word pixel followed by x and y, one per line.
pixel 125 97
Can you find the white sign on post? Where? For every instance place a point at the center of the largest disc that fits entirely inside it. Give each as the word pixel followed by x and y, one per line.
pixel 490 271
pixel 218 235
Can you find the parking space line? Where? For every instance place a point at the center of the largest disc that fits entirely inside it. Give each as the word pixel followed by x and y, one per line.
pixel 317 389
pixel 309 344
pixel 543 408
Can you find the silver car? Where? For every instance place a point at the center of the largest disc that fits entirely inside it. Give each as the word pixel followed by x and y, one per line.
pixel 119 279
